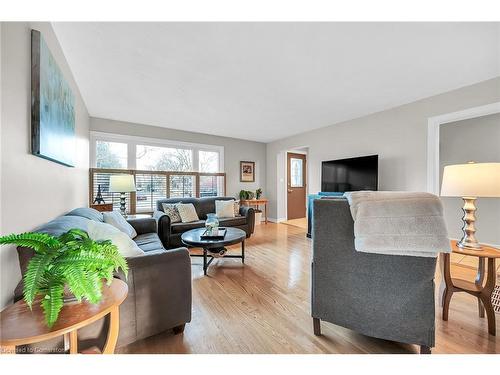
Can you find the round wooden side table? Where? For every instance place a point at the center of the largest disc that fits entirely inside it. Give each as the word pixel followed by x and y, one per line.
pixel 20 326
pixel 477 289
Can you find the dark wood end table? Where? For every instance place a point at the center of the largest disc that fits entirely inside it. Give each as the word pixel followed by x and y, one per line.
pixel 211 248
pixel 477 289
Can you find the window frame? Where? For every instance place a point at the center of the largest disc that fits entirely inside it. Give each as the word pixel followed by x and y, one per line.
pixel 133 141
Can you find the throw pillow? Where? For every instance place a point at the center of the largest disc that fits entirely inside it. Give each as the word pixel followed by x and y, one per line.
pixel 236 208
pixel 224 208
pixel 172 212
pixel 187 212
pixel 101 231
pixel 118 221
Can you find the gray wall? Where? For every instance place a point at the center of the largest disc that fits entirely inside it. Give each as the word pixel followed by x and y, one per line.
pixel 235 150
pixel 34 190
pixel 476 140
pixel 398 136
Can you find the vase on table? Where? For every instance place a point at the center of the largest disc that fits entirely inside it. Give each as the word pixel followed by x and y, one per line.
pixel 212 224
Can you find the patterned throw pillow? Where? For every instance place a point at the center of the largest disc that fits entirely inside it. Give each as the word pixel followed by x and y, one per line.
pixel 187 212
pixel 236 208
pixel 172 212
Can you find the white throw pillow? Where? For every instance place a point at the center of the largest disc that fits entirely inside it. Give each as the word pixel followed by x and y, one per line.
pixel 118 221
pixel 172 212
pixel 224 208
pixel 236 208
pixel 101 231
pixel 187 212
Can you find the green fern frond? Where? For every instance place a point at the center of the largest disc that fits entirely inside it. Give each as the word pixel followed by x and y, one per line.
pixel 72 259
pixel 53 301
pixel 34 276
pixel 39 242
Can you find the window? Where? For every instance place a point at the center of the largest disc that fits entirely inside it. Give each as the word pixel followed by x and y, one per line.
pixel 296 173
pixel 209 161
pixel 154 158
pixel 162 169
pixel 116 151
pixel 111 155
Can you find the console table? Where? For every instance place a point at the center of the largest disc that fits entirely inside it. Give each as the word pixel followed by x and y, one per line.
pixel 256 203
pixel 21 326
pixel 477 289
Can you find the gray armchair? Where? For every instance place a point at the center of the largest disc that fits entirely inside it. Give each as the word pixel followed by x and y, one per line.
pixel 382 296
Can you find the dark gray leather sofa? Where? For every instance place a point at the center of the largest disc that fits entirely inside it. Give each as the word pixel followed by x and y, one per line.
pixel 384 296
pixel 159 284
pixel 170 233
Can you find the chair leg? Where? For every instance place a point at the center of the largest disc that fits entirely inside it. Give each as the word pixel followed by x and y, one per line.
pixel 317 326
pixel 425 349
pixel 179 329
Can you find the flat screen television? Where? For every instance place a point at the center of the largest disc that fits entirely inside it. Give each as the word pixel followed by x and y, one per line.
pixel 351 174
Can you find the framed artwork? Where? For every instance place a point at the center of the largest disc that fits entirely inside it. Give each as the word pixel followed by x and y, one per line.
pixel 52 107
pixel 247 171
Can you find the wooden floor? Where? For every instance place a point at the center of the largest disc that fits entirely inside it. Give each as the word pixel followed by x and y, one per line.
pixel 301 223
pixel 263 307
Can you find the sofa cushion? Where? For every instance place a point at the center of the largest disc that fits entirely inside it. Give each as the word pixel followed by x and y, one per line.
pixel 148 242
pixel 88 213
pixel 103 231
pixel 117 220
pixel 184 227
pixel 224 209
pixel 232 221
pixel 62 224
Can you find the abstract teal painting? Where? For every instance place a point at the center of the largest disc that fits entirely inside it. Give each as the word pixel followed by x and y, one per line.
pixel 52 106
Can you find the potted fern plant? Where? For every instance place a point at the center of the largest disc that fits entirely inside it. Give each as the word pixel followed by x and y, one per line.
pixel 71 261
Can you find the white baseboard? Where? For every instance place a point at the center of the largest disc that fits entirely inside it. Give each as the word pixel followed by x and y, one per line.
pixel 274 220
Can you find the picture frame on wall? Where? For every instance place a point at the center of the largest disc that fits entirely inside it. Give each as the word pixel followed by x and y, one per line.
pixel 247 171
pixel 52 107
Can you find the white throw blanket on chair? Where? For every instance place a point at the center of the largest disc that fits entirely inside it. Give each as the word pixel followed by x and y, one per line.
pixel 398 223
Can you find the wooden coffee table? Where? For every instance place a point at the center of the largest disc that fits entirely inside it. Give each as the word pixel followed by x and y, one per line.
pixel 477 289
pixel 211 248
pixel 21 326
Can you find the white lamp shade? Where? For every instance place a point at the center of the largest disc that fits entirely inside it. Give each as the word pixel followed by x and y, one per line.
pixel 471 180
pixel 122 183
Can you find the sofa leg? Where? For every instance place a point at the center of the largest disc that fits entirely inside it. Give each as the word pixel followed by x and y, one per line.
pixel 179 329
pixel 317 326
pixel 425 349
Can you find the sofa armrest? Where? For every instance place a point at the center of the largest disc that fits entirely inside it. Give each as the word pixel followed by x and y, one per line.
pixel 163 225
pixel 143 226
pixel 159 292
pixel 249 213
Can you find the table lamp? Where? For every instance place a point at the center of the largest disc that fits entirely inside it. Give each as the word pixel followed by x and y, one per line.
pixel 471 181
pixel 122 183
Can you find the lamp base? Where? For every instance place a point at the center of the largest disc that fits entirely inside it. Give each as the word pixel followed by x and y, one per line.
pixel 469 240
pixel 123 208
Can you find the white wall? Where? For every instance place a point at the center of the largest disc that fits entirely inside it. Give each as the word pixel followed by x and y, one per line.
pixel 476 140
pixel 397 135
pixel 235 150
pixel 33 190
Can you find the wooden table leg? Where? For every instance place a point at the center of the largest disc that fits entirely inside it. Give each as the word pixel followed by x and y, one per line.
pixel 114 327
pixel 485 296
pixel 73 342
pixel 265 211
pixel 448 292
pixel 479 282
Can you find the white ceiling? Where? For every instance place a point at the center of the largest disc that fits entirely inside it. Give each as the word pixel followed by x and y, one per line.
pixel 266 81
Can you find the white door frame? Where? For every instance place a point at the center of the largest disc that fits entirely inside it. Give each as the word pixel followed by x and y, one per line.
pixel 433 125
